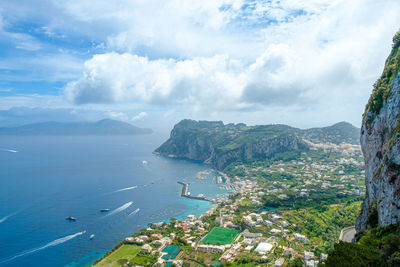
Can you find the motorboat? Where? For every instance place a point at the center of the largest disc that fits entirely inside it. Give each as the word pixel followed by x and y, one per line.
pixel 70 218
pixel 104 210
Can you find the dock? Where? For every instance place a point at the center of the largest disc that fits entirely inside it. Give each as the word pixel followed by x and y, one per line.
pixel 186 193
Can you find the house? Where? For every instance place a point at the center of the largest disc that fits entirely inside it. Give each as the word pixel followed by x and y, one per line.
pixel 184 227
pixel 311 263
pixel 284 223
pixel 279 262
pixel 247 234
pixel 267 223
pixel 156 236
pixel 158 243
pixel 146 248
pixel 249 221
pixel 190 218
pixel 308 255
pixel 210 248
pixel 275 231
pixel 299 237
pixel 288 251
pixel 248 248
pixel 155 225
pixel 263 248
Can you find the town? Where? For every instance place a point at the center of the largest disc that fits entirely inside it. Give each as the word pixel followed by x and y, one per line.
pixel 286 211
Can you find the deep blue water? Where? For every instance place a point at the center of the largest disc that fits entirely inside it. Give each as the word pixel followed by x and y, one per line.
pixel 52 177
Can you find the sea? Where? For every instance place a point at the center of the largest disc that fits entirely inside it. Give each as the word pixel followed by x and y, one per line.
pixel 44 179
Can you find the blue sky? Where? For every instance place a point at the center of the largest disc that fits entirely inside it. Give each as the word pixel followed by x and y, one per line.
pixel 303 63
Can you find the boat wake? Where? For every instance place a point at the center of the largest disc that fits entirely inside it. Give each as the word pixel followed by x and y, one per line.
pixel 125 189
pixel 5 218
pixel 51 244
pixel 8 216
pixel 118 210
pixel 9 150
pixel 134 212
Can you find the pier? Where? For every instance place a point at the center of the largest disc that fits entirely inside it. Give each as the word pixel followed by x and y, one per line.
pixel 186 193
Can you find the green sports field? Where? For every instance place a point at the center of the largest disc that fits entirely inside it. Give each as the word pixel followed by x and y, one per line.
pixel 124 252
pixel 221 236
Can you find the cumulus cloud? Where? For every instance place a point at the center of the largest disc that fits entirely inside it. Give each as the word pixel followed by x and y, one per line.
pixel 334 53
pixel 113 78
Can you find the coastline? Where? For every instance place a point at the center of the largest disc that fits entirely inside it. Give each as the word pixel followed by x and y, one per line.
pixel 198 208
pixel 122 242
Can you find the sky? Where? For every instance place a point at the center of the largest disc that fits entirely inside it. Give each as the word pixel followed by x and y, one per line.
pixel 152 63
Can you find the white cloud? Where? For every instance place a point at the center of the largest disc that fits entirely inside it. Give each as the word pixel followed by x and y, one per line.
pixel 114 78
pixel 20 40
pixel 306 54
pixel 139 116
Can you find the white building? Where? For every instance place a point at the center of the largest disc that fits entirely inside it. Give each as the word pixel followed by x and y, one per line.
pixel 308 255
pixel 146 248
pixel 299 237
pixel 268 223
pixel 210 248
pixel 248 248
pixel 275 231
pixel 279 262
pixel 263 248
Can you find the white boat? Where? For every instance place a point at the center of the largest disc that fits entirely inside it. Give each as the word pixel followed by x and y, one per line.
pixel 91 236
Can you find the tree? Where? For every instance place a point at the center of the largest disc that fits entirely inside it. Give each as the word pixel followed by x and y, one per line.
pixel 298 262
pixel 353 255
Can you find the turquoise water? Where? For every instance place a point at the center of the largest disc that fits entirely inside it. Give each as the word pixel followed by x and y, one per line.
pixel 52 177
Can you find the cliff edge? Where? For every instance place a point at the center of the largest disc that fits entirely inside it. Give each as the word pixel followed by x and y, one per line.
pixel 380 143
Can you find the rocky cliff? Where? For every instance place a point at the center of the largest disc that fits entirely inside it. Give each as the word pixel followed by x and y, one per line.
pixel 380 142
pixel 221 144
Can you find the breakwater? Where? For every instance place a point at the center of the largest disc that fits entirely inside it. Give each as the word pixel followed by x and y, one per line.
pixel 186 193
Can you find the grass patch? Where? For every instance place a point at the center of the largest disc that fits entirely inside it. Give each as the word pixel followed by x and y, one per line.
pixel 143 260
pixel 221 236
pixel 124 252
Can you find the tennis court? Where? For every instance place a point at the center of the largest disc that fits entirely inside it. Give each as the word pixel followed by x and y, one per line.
pixel 172 251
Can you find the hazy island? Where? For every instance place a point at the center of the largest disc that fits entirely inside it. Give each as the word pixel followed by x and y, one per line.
pixel 101 127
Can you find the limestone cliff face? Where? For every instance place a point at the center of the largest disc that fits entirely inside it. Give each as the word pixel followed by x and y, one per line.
pixel 380 142
pixel 260 149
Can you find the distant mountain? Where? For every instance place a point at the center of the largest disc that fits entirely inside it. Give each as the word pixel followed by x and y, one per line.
pixel 220 144
pixel 342 132
pixel 102 127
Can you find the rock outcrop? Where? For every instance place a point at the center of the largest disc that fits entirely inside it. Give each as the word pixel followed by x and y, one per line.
pixel 218 144
pixel 380 143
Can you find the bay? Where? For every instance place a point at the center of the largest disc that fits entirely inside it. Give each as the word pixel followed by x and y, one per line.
pixel 44 179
